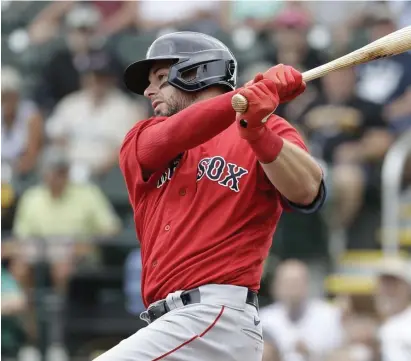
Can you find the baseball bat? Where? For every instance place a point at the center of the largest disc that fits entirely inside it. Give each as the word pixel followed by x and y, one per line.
pixel 392 44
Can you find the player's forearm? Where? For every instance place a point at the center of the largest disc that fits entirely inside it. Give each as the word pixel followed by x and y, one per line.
pixel 295 174
pixel 292 171
pixel 159 144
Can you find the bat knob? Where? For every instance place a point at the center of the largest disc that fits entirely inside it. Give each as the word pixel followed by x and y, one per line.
pixel 239 103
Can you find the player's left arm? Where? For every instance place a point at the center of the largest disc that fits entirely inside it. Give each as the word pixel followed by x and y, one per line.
pixel 277 145
pixel 294 172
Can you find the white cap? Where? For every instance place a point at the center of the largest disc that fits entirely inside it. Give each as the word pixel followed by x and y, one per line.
pixel 396 267
pixel 83 16
pixel 10 79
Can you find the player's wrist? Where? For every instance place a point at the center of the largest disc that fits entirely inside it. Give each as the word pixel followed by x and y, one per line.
pixel 249 132
pixel 265 143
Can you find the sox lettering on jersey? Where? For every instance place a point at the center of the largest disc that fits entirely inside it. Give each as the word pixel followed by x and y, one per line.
pixel 215 169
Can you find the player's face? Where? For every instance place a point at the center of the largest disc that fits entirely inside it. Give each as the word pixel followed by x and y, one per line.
pixel 166 99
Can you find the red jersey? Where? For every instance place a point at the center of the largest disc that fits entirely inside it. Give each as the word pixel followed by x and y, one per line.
pixel 207 219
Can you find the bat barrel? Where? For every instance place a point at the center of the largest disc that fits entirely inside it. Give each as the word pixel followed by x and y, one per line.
pixel 389 45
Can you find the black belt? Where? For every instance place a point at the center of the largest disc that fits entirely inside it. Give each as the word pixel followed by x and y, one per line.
pixel 160 308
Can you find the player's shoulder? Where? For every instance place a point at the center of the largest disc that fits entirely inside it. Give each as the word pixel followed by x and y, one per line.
pixel 132 135
pixel 141 125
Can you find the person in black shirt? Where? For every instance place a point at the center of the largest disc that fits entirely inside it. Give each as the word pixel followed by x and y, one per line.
pixel 387 81
pixel 287 43
pixel 351 136
pixel 61 74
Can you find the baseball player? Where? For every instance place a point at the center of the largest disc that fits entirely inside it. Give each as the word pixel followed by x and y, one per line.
pixel 207 187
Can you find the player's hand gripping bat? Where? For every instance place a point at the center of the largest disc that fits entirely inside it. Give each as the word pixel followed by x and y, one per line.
pixel 389 45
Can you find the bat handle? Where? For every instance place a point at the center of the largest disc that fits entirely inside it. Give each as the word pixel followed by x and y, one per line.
pixel 239 103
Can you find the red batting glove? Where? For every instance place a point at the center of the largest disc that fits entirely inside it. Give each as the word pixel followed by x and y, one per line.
pixel 256 79
pixel 263 99
pixel 288 80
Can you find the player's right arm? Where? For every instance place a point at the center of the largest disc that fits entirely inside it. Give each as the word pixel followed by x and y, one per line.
pixel 152 144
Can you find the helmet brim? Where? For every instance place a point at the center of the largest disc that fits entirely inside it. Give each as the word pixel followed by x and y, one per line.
pixel 136 74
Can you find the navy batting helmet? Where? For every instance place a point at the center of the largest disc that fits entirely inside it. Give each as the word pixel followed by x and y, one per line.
pixel 214 62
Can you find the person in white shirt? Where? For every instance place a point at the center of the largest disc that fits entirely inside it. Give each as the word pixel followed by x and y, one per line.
pixel 22 127
pixel 393 304
pixel 300 328
pixel 92 122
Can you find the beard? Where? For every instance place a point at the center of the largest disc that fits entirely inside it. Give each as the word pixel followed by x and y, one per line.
pixel 177 103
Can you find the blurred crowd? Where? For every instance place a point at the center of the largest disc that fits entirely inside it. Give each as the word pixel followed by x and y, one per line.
pixel 65 111
pixel 299 327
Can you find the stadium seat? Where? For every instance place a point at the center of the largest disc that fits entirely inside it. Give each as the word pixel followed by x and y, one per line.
pixel 355 272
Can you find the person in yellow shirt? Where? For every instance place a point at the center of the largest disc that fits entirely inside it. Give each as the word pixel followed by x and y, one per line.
pixel 59 215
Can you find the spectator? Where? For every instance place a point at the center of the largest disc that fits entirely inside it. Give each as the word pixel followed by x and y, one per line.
pixel 288 44
pixel 270 353
pixel 13 301
pixel 387 81
pixel 22 126
pixel 402 10
pixel 339 20
pixel 119 16
pixel 256 14
pixel 13 306
pixel 202 16
pixel 393 302
pixel 47 23
pixel 91 123
pixel 351 135
pixel 360 340
pixel 289 37
pixel 60 213
pixel 299 327
pixel 61 74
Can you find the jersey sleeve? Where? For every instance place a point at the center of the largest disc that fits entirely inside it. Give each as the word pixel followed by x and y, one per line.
pixel 286 131
pixel 129 161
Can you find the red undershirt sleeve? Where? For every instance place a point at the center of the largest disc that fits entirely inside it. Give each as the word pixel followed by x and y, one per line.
pixel 157 145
